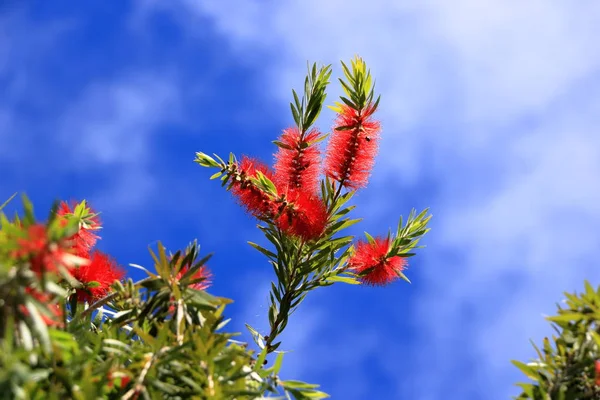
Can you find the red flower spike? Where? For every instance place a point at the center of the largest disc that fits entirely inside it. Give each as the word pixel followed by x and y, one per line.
pixel 597 372
pixel 203 272
pixel 124 379
pixel 254 200
pixel 45 298
pixel 305 216
pixel 84 239
pixel 43 255
pixel 298 166
pixel 351 152
pixel 102 270
pixel 373 257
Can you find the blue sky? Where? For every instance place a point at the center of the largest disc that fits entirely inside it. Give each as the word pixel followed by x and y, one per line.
pixel 490 113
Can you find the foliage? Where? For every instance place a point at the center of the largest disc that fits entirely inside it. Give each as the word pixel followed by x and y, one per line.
pixel 567 367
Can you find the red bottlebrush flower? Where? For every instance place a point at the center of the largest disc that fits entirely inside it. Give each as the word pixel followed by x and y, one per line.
pixel 43 254
pixel 254 200
pixel 305 216
pixel 45 298
pixel 102 270
pixel 112 379
pixel 351 152
pixel 598 372
pixel 373 257
pixel 202 272
pixel 84 239
pixel 298 166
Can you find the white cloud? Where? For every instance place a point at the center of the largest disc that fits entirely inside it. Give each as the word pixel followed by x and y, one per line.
pixel 23 48
pixel 107 129
pixel 497 92
pixel 112 121
pixel 111 128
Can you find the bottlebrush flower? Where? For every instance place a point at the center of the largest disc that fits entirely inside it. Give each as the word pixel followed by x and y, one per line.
pixel 351 151
pixel 297 165
pixel 85 238
pixel 253 199
pixel 45 298
pixel 372 257
pixel 598 372
pixel 203 272
pixel 119 378
pixel 97 276
pixel 43 254
pixel 305 216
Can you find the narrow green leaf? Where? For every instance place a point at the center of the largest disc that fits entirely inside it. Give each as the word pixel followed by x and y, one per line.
pixel 39 326
pixel 401 275
pixel 258 338
pixel 566 317
pixel 526 369
pixel 261 359
pixel 282 145
pixel 370 238
pixel 344 279
pixel 266 252
pixel 292 384
pixel 278 362
pixel 7 201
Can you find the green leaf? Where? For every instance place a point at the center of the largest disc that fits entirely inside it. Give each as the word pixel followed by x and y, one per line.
pixel 566 317
pixel 530 372
pixel 29 217
pixel 370 238
pixel 216 175
pixel 292 384
pixel 205 160
pixel 39 326
pixel 282 145
pixel 261 358
pixel 272 314
pixel 528 389
pixel 264 251
pixel 295 114
pixel 258 338
pixel 278 362
pixel 401 275
pixel 7 201
pixel 344 279
pixel 340 225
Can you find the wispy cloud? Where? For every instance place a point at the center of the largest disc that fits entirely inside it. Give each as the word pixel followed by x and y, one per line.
pixel 99 127
pixel 23 48
pixel 491 103
pixel 111 127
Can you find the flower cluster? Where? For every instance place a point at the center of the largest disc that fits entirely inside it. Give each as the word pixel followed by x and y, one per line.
pixel 300 195
pixel 353 148
pixel 296 207
pixel 43 253
pixel 95 270
pixel 201 279
pixel 100 271
pixel 373 263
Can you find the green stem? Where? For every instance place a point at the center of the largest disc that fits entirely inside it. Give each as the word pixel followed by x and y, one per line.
pixel 286 301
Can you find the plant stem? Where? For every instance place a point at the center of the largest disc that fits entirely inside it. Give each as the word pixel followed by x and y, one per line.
pixel 286 301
